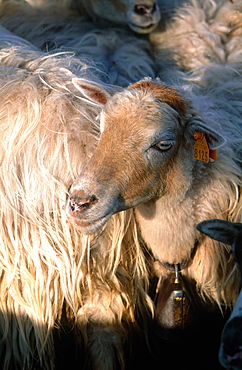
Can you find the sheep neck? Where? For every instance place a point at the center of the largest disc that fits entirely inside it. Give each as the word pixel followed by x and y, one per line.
pixel 167 224
pixel 167 228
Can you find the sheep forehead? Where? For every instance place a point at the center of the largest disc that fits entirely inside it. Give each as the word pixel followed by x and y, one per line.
pixel 116 8
pixel 141 111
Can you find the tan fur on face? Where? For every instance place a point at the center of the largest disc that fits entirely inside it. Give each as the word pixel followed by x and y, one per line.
pixel 164 93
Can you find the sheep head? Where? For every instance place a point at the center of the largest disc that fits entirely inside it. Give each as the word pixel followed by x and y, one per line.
pixel 145 129
pixel 142 16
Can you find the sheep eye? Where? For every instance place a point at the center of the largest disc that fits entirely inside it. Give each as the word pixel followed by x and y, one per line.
pixel 164 145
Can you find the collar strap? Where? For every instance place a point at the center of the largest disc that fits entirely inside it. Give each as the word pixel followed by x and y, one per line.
pixel 176 267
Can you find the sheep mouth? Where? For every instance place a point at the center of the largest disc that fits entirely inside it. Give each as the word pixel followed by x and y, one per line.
pixel 90 226
pixel 142 29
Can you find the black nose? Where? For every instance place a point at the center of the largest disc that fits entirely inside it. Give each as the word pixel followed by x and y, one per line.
pixel 144 9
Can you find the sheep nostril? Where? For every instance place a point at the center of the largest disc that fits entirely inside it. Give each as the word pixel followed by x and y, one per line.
pixel 144 9
pixel 77 204
pixel 72 205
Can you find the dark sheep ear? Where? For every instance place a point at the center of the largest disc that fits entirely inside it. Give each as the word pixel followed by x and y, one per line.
pixel 214 139
pixel 220 230
pixel 93 91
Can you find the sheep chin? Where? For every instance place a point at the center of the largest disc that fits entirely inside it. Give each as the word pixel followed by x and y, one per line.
pixel 142 29
pixel 89 227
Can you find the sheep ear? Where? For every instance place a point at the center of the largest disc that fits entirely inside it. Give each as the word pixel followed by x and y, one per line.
pixel 220 230
pixel 214 139
pixel 95 92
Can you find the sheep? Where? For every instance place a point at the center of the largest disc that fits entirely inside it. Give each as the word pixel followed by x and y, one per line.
pixel 120 56
pixel 99 289
pixel 201 34
pixel 142 16
pixel 52 275
pixel 228 233
pixel 146 160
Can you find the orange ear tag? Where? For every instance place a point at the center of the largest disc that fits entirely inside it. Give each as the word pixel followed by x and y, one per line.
pixel 213 156
pixel 201 149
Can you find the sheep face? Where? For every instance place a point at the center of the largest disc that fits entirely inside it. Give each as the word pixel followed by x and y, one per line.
pixel 142 16
pixel 144 135
pixel 126 170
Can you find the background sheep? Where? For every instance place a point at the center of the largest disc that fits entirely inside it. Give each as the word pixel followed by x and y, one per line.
pixel 120 56
pixel 229 233
pixel 142 16
pixel 200 34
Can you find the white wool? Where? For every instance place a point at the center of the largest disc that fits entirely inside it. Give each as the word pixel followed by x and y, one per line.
pixel 49 131
pixel 200 34
pixel 120 56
